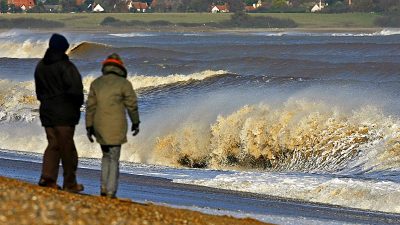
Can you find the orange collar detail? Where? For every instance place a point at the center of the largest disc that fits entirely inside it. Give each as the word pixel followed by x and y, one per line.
pixel 113 61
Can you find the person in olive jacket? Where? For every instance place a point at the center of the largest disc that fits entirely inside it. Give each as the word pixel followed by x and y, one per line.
pixel 110 96
pixel 60 92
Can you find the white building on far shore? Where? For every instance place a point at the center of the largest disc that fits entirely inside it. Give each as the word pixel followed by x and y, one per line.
pixel 317 7
pixel 98 8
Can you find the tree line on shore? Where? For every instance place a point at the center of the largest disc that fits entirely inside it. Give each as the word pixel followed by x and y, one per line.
pixel 237 20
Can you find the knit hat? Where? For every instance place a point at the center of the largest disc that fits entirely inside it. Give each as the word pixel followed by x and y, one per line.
pixel 58 42
pixel 115 60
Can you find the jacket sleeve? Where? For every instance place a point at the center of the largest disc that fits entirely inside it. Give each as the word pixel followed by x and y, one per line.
pixel 130 102
pixel 73 82
pixel 91 105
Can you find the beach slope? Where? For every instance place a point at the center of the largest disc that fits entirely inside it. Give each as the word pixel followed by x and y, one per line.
pixel 25 203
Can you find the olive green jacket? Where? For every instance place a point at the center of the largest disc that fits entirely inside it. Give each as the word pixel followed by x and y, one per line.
pixel 110 96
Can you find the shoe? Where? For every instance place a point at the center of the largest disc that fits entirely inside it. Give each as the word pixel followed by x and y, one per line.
pixel 74 189
pixel 111 195
pixel 45 183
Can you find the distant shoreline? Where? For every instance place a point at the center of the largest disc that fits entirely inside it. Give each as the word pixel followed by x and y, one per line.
pixel 209 30
pixel 197 22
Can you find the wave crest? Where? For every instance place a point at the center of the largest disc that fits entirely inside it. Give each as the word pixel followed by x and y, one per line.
pixel 141 81
pixel 18 99
pixel 85 48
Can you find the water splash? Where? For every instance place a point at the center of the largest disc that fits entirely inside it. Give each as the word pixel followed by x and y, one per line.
pixel 298 136
pixel 17 101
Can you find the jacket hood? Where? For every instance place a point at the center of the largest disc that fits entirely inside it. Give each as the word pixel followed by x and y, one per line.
pixel 110 68
pixel 52 56
pixel 114 64
pixel 58 42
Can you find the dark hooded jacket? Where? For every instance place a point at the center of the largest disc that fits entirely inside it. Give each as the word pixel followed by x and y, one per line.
pixel 59 89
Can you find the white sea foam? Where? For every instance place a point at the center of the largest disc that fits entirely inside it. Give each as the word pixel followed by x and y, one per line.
pixel 196 34
pixel 269 218
pixel 134 34
pixel 384 32
pixel 364 194
pixel 15 33
pixel 8 34
pixel 392 31
pixel 276 34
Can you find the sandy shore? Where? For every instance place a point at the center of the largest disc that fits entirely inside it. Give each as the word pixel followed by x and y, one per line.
pixel 25 203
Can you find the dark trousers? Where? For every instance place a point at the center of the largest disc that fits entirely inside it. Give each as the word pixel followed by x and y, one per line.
pixel 60 146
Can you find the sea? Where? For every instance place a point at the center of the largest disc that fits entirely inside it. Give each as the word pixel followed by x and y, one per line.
pixel 313 116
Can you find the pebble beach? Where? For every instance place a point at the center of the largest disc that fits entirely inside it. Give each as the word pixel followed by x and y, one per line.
pixel 26 203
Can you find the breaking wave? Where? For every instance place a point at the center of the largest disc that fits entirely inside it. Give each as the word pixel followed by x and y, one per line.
pixel 26 49
pixel 34 48
pixel 384 32
pixel 299 136
pixel 92 49
pixel 134 34
pixel 18 100
pixel 82 48
pixel 31 48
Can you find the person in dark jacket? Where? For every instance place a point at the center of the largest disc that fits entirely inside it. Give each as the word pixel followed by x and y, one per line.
pixel 110 96
pixel 60 92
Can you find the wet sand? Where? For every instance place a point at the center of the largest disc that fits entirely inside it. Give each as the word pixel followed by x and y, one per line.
pixel 25 203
